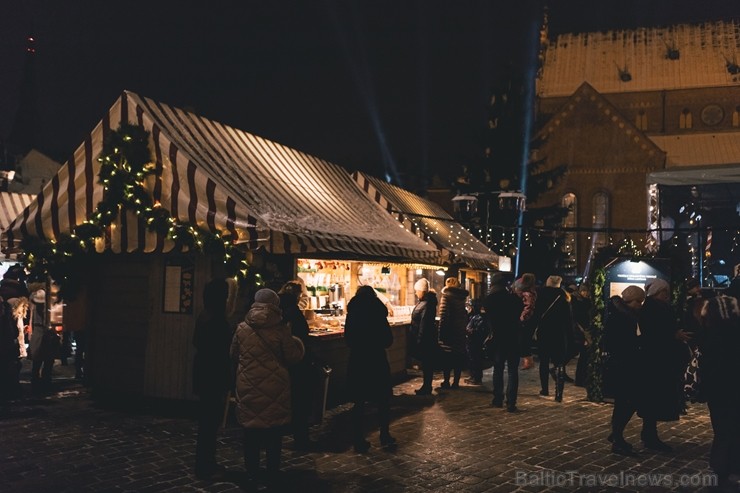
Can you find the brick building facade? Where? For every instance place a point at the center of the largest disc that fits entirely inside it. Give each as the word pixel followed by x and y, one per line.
pixel 624 109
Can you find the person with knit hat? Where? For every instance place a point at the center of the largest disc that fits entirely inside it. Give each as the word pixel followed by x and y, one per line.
pixel 664 357
pixel 620 347
pixel 263 349
pixel 423 334
pixel 503 309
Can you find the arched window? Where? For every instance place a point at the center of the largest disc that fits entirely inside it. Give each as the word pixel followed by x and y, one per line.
pixel 599 219
pixel 641 120
pixel 736 117
pixel 685 120
pixel 570 202
pixel 599 223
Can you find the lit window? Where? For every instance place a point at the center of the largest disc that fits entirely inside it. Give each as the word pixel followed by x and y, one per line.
pixel 599 218
pixel 685 120
pixel 570 202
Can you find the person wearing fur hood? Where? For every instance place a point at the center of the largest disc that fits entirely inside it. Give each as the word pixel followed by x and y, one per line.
pixel 263 349
pixel 453 318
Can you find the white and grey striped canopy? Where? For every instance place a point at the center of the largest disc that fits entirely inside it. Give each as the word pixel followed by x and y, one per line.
pixel 421 216
pixel 264 194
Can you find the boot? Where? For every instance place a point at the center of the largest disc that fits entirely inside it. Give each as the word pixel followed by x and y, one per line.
pixel 559 383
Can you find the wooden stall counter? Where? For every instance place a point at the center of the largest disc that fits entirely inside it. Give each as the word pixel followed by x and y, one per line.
pixel 328 346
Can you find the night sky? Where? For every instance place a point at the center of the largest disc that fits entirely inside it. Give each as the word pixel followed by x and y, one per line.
pixel 367 84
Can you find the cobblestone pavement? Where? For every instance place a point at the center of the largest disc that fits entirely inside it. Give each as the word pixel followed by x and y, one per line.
pixel 450 441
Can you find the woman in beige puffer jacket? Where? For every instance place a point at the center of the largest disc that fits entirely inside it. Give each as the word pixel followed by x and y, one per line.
pixel 263 349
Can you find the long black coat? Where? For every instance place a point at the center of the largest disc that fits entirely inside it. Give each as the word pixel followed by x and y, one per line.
pixel 502 313
pixel 301 374
pixel 663 359
pixel 453 318
pixel 368 334
pixel 212 364
pixel 554 324
pixel 424 336
pixel 621 343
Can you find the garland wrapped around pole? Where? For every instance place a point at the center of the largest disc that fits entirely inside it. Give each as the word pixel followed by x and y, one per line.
pixel 125 164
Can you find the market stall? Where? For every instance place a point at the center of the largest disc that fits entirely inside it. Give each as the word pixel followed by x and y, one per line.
pixel 144 287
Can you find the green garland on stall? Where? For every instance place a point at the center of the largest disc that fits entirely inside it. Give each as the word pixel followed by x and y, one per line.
pixel 125 163
pixel 594 379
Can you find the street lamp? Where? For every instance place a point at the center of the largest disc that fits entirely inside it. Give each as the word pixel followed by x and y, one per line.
pixel 466 208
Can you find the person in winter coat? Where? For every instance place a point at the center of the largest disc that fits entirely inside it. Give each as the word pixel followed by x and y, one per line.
pixel 300 374
pixel 453 317
pixel 525 288
pixel 475 333
pixel 719 365
pixel 212 377
pixel 263 349
pixel 581 303
pixel 423 335
pixel 621 351
pixel 554 334
pixel 664 359
pixel 503 309
pixel 45 343
pixel 368 334
pixel 13 310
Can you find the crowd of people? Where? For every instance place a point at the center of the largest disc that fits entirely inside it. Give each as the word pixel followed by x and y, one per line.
pixel 26 333
pixel 264 358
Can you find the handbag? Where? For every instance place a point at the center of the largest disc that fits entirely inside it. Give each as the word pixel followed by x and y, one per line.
pixel 692 388
pixel 489 348
pixel 536 329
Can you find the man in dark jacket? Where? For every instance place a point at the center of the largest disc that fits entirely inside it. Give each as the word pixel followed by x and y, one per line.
pixel 503 309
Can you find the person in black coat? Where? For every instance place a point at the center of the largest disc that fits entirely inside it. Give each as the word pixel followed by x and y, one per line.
pixel 554 334
pixel 453 318
pixel 664 357
pixel 423 334
pixel 503 309
pixel 212 377
pixel 368 334
pixel 719 366
pixel 301 374
pixel 621 351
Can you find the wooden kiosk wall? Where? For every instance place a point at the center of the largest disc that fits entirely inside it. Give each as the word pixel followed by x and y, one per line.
pixel 136 348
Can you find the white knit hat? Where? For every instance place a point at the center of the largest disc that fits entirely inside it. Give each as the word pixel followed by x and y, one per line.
pixel 421 285
pixel 39 296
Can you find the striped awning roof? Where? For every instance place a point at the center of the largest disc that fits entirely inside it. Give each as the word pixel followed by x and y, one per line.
pixel 264 194
pixel 11 205
pixel 424 217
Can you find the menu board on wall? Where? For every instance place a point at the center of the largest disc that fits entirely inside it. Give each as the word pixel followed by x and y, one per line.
pixel 178 286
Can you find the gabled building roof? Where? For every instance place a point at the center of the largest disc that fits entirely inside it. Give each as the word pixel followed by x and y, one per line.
pixel 645 59
pixel 419 215
pixel 223 179
pixel 586 94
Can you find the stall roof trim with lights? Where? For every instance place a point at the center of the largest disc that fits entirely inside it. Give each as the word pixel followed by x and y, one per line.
pixel 11 206
pixel 264 194
pixel 421 216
